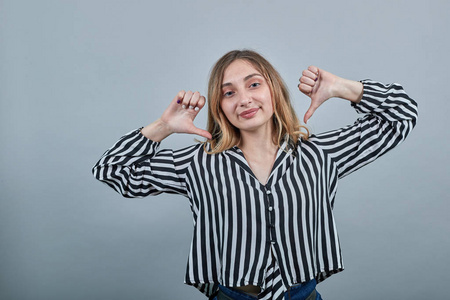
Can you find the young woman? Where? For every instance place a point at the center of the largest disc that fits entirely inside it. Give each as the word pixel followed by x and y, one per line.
pixel 261 189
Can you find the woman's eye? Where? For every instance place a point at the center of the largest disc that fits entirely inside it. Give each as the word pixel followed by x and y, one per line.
pixel 255 84
pixel 228 94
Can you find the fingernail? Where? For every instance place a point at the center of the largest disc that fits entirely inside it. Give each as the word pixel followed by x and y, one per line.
pixel 183 106
pixel 191 107
pixel 196 108
pixel 179 101
pixel 316 78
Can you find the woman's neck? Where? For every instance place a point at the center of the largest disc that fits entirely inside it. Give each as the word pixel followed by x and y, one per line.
pixel 258 142
pixel 260 153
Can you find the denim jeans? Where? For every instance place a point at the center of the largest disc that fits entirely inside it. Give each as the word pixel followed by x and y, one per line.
pixel 305 291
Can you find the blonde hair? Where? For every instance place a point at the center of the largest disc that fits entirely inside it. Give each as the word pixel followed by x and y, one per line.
pixel 224 134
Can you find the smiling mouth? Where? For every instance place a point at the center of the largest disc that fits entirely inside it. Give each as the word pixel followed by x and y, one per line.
pixel 249 113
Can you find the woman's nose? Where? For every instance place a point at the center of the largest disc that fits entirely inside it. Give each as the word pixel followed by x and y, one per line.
pixel 244 99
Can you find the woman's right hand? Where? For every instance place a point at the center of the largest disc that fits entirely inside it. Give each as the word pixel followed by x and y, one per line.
pixel 178 117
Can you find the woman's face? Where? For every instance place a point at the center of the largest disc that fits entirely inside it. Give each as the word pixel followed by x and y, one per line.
pixel 246 98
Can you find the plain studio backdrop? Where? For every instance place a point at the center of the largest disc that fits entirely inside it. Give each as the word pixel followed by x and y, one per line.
pixel 77 75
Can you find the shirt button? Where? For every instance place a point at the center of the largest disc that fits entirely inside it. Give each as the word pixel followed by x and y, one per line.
pixel 268 192
pixel 270 208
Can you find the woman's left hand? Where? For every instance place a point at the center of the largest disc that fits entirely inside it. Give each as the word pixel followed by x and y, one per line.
pixel 321 85
pixel 318 85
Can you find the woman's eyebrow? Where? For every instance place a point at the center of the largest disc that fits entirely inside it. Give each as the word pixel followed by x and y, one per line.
pixel 252 75
pixel 245 79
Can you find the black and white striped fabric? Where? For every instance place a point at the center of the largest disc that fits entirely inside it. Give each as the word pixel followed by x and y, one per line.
pixel 273 235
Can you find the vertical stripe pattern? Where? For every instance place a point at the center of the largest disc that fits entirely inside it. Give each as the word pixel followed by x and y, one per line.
pixel 273 235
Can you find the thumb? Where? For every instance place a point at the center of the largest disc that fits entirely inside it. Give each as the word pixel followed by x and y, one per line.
pixel 202 133
pixel 309 113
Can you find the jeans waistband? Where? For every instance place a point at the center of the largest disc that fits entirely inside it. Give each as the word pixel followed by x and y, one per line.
pixel 304 291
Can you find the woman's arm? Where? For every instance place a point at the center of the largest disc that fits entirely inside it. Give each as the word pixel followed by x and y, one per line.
pixel 134 167
pixel 390 115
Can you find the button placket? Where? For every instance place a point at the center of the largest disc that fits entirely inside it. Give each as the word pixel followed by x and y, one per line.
pixel 271 215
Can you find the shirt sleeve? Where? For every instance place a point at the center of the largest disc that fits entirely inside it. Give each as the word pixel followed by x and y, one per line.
pixel 390 115
pixel 134 167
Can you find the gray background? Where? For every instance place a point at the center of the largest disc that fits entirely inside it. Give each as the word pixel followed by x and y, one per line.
pixel 76 75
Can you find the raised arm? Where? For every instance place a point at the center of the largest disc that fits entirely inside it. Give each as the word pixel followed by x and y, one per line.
pixel 134 167
pixel 390 115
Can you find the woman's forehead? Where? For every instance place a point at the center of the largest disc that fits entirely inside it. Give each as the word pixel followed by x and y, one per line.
pixel 238 70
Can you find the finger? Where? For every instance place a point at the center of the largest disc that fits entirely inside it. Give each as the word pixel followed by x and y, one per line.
pixel 194 100
pixel 201 103
pixel 307 80
pixel 305 88
pixel 314 69
pixel 186 99
pixel 309 74
pixel 179 97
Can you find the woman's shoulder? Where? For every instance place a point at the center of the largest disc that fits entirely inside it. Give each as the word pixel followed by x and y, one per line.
pixel 313 144
pixel 193 148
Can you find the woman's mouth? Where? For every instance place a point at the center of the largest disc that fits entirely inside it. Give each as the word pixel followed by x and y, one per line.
pixel 249 113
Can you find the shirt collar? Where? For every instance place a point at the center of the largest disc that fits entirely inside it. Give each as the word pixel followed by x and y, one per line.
pixel 284 157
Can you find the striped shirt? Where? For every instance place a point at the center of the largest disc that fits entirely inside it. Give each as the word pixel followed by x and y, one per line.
pixel 274 235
